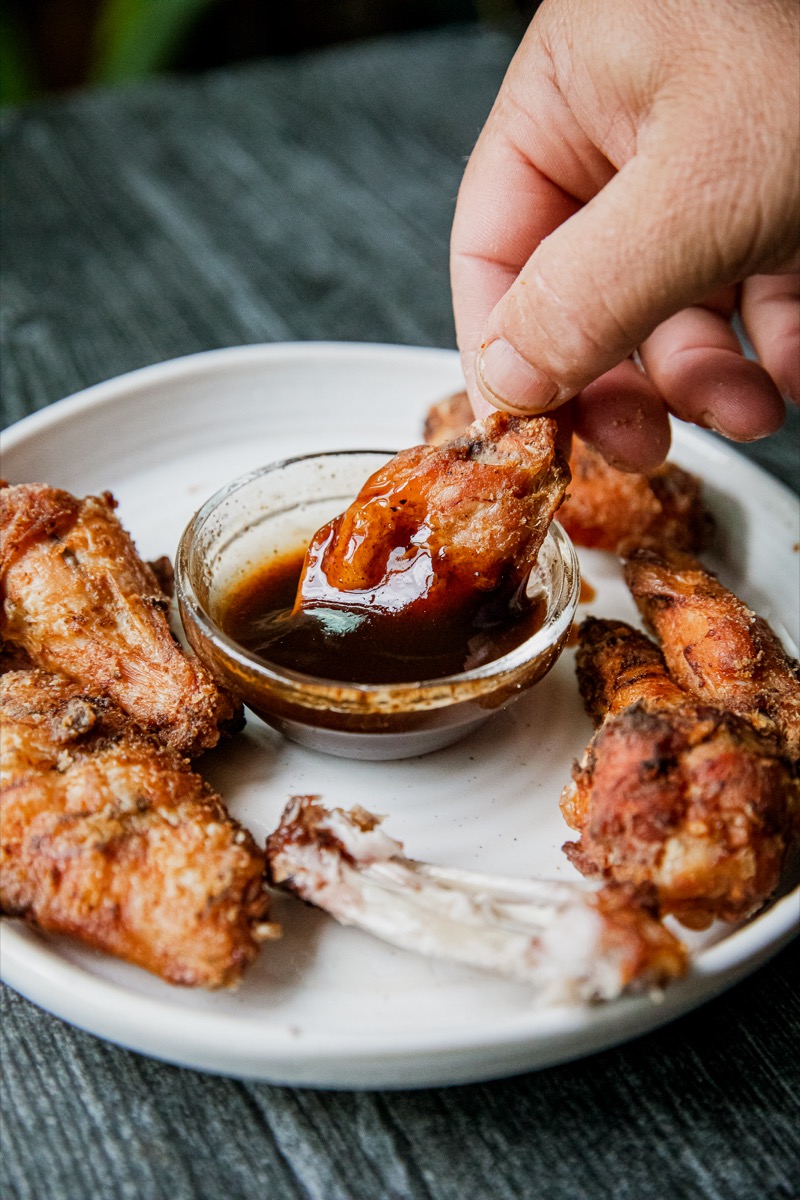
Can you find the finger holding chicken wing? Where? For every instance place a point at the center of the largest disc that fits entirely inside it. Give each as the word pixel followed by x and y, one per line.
pixel 715 647
pixel 109 837
pixel 77 599
pixel 673 792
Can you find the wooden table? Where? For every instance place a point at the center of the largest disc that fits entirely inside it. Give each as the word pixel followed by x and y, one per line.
pixel 311 199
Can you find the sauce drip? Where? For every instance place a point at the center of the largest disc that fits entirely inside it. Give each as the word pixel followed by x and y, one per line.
pixel 372 645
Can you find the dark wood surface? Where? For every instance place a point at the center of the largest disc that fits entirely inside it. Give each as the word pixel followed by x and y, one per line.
pixel 308 199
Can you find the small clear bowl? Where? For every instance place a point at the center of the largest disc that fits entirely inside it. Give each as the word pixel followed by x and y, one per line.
pixel 279 508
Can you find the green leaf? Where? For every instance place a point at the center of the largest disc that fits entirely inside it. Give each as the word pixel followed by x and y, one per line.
pixel 134 38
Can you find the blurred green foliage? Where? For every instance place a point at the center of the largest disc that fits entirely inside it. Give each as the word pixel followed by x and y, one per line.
pixel 56 45
pixel 133 38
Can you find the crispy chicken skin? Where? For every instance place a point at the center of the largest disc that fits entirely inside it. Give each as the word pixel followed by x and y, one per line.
pixel 437 528
pixel 715 647
pixel 77 599
pixel 607 509
pixel 111 838
pixel 674 792
pixel 569 943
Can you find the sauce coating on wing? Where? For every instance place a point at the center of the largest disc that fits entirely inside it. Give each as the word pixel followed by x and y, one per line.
pixel 439 528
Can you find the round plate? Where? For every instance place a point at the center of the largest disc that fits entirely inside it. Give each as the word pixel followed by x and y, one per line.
pixel 329 1006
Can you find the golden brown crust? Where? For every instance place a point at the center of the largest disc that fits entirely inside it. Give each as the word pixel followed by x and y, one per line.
pixel 111 838
pixel 77 599
pixel 715 647
pixel 648 953
pixel 674 793
pixel 448 419
pixel 610 509
pixel 462 519
pixel 618 666
pixel 607 509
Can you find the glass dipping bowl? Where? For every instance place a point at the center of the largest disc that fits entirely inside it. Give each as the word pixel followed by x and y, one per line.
pixel 279 508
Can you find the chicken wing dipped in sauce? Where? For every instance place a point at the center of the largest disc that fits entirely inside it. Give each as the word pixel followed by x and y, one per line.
pixel 715 647
pixel 437 528
pixel 674 792
pixel 569 943
pixel 110 838
pixel 607 509
pixel 425 572
pixel 76 598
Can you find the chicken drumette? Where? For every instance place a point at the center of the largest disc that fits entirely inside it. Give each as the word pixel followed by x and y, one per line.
pixel 672 791
pixel 109 837
pixel 714 645
pixel 77 599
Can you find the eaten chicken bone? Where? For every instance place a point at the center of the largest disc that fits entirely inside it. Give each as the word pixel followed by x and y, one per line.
pixel 606 508
pixel 715 647
pixel 571 944
pixel 674 792
pixel 77 599
pixel 441 528
pixel 110 838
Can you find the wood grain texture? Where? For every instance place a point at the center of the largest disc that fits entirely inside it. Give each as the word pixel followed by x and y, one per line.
pixel 312 198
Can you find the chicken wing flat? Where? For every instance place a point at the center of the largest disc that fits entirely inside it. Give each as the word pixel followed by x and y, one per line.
pixel 77 599
pixel 568 943
pixel 673 792
pixel 440 528
pixel 607 509
pixel 110 838
pixel 715 647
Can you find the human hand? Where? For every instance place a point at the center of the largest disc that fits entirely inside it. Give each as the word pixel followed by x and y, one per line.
pixel 637 182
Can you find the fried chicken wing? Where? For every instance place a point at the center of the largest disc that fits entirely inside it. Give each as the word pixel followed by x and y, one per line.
pixel 610 509
pixel 714 645
pixel 111 838
pixel 77 599
pixel 606 508
pixel 438 529
pixel 673 792
pixel 569 943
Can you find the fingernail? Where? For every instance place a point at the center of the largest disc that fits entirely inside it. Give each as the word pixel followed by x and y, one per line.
pixel 508 381
pixel 708 420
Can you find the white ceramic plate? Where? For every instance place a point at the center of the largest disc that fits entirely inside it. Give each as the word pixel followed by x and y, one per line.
pixel 329 1006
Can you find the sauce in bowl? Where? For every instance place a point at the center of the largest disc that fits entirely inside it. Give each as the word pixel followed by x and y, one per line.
pixel 374 645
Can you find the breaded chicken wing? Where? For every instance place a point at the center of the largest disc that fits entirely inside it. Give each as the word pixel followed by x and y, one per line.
pixel 673 792
pixel 714 645
pixel 109 837
pixel 607 508
pixel 569 943
pixel 438 529
pixel 77 599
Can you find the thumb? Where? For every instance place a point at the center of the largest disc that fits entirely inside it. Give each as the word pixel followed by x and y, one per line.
pixel 643 248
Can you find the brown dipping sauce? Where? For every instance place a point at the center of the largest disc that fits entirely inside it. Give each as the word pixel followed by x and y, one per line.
pixel 365 647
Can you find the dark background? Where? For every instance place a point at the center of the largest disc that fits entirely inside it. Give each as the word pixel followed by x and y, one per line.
pixel 59 45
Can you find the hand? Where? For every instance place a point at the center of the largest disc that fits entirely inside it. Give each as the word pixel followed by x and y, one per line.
pixel 637 181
